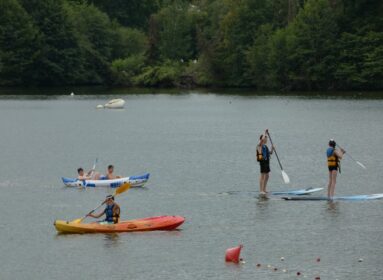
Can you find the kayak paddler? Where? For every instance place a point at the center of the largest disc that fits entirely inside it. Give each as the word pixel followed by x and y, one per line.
pixel 111 211
pixel 109 173
pixel 333 163
pixel 263 157
pixel 90 175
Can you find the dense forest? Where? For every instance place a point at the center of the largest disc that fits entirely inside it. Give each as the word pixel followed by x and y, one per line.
pixel 264 44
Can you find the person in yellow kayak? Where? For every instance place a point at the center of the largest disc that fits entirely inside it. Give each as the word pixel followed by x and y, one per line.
pixel 90 175
pixel 111 211
pixel 263 157
pixel 109 174
pixel 333 162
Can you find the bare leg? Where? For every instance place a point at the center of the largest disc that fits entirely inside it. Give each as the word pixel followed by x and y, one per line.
pixel 265 182
pixel 333 182
pixel 261 180
pixel 329 185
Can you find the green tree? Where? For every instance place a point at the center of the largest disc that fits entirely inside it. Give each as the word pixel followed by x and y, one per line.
pixel 59 60
pixel 131 13
pixel 312 54
pixel 18 37
pixel 175 31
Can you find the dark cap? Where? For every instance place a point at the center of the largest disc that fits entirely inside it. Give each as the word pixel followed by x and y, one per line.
pixel 110 196
pixel 332 143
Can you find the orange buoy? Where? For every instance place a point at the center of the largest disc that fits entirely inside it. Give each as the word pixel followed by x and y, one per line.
pixel 232 254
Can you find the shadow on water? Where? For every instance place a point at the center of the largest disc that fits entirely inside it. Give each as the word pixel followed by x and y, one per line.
pixel 90 92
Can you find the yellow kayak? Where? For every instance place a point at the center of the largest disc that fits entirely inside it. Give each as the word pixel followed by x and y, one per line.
pixel 145 224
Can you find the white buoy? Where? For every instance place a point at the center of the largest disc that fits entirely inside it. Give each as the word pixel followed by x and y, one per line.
pixel 115 104
pixel 72 93
pixel 100 107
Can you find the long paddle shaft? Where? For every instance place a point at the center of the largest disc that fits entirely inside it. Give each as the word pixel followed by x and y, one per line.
pixel 357 162
pixel 94 166
pixel 123 188
pixel 91 173
pixel 285 177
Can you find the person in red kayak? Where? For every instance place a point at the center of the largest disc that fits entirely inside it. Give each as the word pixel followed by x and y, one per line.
pixel 111 211
pixel 109 174
pixel 333 163
pixel 263 157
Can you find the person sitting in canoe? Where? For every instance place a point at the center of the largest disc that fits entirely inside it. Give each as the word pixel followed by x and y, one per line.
pixel 333 162
pixel 90 175
pixel 111 211
pixel 263 157
pixel 109 174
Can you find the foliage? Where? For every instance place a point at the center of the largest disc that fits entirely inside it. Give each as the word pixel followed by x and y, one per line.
pixel 267 44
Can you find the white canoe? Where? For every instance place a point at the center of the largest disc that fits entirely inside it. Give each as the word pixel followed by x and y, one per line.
pixel 135 181
pixel 115 104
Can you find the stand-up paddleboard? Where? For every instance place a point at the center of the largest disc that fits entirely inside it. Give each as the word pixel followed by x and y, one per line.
pixel 298 192
pixel 288 192
pixel 350 197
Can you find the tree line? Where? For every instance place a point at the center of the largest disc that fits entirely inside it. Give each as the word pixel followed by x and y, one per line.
pixel 264 44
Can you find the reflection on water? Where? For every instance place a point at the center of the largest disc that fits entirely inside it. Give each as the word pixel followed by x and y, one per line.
pixel 111 240
pixel 333 207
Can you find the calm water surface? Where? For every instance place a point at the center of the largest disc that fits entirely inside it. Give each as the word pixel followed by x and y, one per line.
pixel 200 151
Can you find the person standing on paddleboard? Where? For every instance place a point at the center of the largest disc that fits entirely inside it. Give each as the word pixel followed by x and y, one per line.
pixel 333 162
pixel 263 157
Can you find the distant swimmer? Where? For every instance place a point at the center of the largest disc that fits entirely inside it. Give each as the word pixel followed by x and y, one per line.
pixel 263 157
pixel 90 175
pixel 333 162
pixel 109 174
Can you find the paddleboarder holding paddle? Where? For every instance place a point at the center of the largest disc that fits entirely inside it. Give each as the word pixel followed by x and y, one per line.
pixel 263 157
pixel 333 162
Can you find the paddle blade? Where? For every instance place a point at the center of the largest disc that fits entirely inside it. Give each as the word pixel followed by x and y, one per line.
pixel 122 188
pixel 285 177
pixel 361 165
pixel 77 221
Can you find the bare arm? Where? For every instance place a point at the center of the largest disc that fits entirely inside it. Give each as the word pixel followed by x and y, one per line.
pixel 340 153
pixel 96 215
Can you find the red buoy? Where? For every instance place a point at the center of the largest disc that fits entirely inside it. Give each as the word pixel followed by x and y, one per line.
pixel 232 254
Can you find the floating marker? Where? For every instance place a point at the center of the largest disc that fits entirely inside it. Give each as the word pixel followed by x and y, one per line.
pixel 284 270
pixel 317 278
pixel 72 93
pixel 360 260
pixel 275 269
pixel 258 265
pixel 298 273
pixel 318 259
pixel 232 254
pixel 282 259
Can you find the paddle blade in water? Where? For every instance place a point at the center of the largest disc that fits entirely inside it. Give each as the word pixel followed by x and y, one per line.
pixel 285 177
pixel 122 188
pixel 361 165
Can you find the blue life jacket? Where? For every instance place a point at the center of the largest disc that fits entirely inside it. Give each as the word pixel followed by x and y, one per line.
pixel 265 153
pixel 110 217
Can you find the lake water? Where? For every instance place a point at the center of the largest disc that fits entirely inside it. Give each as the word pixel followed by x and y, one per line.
pixel 200 151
